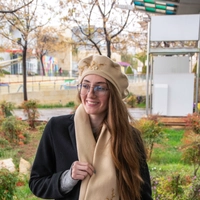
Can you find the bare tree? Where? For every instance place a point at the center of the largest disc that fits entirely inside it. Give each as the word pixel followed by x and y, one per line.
pixel 49 40
pixel 99 24
pixel 25 21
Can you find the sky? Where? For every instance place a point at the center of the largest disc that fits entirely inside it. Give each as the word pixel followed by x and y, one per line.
pixel 55 20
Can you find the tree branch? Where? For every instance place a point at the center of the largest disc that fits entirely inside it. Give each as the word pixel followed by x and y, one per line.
pixel 15 10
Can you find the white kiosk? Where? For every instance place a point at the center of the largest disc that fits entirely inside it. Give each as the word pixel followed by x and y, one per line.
pixel 170 81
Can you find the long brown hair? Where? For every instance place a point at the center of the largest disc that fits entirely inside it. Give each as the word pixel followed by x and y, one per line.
pixel 126 147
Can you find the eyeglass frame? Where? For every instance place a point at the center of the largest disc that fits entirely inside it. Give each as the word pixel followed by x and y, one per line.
pixel 95 89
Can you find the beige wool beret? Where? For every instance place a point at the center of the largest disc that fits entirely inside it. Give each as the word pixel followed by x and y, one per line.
pixel 105 67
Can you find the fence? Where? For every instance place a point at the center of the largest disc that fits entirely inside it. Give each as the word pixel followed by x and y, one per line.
pixel 14 83
pixel 137 78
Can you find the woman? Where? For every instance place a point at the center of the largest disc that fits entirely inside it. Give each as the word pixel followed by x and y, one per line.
pixel 94 153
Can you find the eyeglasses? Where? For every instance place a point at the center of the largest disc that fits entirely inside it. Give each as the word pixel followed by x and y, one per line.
pixel 99 90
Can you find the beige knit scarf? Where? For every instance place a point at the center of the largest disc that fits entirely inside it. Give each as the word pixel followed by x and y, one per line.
pixel 101 185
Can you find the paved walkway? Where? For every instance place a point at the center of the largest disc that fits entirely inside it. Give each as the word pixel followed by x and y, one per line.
pixel 46 114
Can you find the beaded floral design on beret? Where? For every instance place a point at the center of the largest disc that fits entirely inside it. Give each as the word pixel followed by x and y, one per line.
pixel 105 67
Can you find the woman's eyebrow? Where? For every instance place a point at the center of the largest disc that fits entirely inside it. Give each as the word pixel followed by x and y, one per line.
pixel 95 82
pixel 86 81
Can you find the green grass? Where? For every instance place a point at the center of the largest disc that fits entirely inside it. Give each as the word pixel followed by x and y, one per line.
pixel 7 152
pixel 23 193
pixel 174 137
pixel 50 106
pixel 141 105
pixel 167 156
pixel 70 104
pixel 168 151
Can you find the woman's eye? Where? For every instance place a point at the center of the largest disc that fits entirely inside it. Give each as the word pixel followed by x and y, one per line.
pixel 85 86
pixel 100 88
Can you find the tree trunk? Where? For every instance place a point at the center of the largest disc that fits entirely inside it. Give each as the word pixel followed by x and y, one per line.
pixel 108 44
pixel 41 61
pixel 24 72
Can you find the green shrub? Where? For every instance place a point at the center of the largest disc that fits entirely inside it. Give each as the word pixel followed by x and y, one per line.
pixel 191 150
pixel 152 131
pixel 7 184
pixel 41 127
pixel 31 110
pixel 194 192
pixel 14 130
pixel 129 70
pixel 131 100
pixel 70 104
pixel 1 119
pixel 171 187
pixel 176 186
pixel 144 69
pixel 193 122
pixel 4 145
pixel 6 108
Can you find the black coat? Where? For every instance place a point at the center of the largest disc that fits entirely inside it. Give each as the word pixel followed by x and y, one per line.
pixel 56 153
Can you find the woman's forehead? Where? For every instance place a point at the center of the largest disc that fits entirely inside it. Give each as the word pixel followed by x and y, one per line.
pixel 94 78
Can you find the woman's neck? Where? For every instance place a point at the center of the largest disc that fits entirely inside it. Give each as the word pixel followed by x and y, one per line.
pixel 96 125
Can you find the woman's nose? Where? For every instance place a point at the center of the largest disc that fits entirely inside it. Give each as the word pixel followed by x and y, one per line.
pixel 91 92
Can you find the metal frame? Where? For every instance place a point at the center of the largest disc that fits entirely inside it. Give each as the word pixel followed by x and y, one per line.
pixel 166 51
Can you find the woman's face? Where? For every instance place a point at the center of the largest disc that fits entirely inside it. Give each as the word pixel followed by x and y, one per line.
pixel 94 95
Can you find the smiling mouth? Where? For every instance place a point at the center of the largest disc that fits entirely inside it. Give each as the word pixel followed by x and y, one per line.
pixel 92 103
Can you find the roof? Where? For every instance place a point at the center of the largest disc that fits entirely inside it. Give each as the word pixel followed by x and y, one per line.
pixel 173 7
pixel 125 64
pixel 13 50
